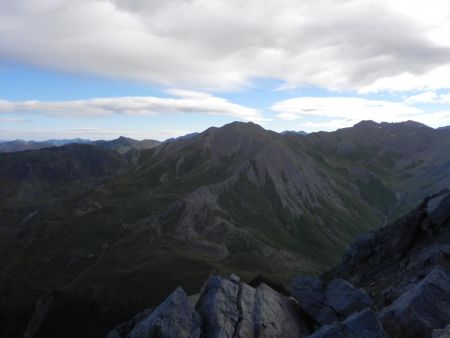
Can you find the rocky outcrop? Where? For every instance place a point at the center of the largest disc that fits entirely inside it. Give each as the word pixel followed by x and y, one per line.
pixel 422 308
pixel 226 308
pixel 326 303
pixel 175 317
pixel 362 324
pixel 405 267
pixel 392 283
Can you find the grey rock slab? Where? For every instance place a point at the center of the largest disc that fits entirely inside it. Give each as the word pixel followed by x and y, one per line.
pixel 246 305
pixel 239 311
pixel 423 307
pixel 175 317
pixel 363 324
pixel 310 294
pixel 326 303
pixel 345 299
pixel 218 307
pixel 276 315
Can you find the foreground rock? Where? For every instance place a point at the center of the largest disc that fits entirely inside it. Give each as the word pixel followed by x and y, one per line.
pixel 422 308
pixel 327 303
pixel 362 324
pixel 225 308
pixel 175 317
pixel 405 267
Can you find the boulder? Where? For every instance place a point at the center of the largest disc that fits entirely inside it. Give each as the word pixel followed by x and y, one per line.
pixel 230 309
pixel 218 307
pixel 175 317
pixel 326 303
pixel 277 316
pixel 362 324
pixel 423 307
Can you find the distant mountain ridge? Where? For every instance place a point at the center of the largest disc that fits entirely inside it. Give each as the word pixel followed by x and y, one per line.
pixel 121 144
pixel 301 132
pixel 237 198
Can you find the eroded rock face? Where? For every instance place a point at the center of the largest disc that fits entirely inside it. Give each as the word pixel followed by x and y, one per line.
pixel 226 308
pixel 422 308
pixel 232 309
pixel 362 324
pixel 405 267
pixel 328 302
pixel 175 317
pixel 218 307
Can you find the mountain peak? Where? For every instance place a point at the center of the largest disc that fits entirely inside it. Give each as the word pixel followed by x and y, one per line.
pixel 405 124
pixel 123 138
pixel 238 125
pixel 365 124
pixel 238 128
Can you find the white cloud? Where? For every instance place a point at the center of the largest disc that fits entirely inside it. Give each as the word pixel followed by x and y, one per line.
pixel 182 102
pixel 12 120
pixel 365 45
pixel 331 113
pixel 435 119
pixel 425 97
pixel 444 98
pixel 351 108
pixel 428 97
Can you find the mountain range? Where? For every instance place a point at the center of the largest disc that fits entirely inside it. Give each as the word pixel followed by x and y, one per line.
pixel 109 230
pixel 122 144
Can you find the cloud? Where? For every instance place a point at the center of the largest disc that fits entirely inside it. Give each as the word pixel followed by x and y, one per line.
pixel 429 97
pixel 12 120
pixel 351 108
pixel 425 97
pixel 364 45
pixel 182 102
pixel 331 113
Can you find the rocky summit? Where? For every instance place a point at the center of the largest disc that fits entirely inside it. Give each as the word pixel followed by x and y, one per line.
pixel 394 282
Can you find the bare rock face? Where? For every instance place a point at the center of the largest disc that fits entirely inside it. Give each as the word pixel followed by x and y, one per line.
pixel 218 307
pixel 232 309
pixel 422 308
pixel 405 267
pixel 226 308
pixel 326 303
pixel 175 317
pixel 362 324
pixel 276 316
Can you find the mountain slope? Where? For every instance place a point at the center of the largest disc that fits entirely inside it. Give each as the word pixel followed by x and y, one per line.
pixel 232 199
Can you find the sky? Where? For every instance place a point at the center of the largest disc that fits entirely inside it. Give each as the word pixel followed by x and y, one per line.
pixel 155 69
